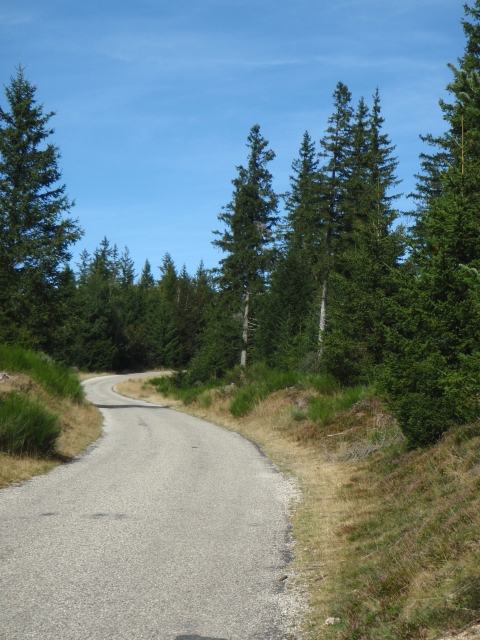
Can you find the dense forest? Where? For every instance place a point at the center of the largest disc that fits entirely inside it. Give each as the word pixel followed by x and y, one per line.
pixel 323 278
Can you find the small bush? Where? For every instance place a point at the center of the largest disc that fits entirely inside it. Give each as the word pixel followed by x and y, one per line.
pixel 26 426
pixel 162 384
pixel 54 378
pixel 323 383
pixel 321 410
pixel 298 414
pixel 205 400
pixel 427 393
pixel 179 379
pixel 244 401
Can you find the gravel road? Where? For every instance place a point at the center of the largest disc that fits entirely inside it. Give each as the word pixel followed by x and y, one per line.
pixel 168 527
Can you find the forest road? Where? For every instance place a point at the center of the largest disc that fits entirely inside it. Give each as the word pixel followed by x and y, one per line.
pixel 169 527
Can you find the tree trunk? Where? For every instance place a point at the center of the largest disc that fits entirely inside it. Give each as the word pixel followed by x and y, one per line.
pixel 243 358
pixel 323 316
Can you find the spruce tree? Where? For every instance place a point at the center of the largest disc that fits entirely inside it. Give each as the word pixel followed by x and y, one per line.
pixel 302 233
pixel 368 252
pixel 147 280
pixel 335 150
pixel 98 340
pixel 35 231
pixel 292 284
pixel 250 219
pixel 162 339
pixel 168 280
pixel 433 372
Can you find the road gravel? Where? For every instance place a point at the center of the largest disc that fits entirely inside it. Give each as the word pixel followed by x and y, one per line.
pixel 168 527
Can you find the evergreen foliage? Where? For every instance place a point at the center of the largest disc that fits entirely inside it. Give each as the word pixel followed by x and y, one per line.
pixel 367 255
pixel 285 323
pixel 433 371
pixel 249 219
pixel 35 234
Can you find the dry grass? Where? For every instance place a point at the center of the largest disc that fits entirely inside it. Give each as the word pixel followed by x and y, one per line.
pixel 471 633
pixel 81 425
pixel 137 388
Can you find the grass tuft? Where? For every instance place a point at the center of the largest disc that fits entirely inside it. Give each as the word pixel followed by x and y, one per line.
pixel 26 426
pixel 322 409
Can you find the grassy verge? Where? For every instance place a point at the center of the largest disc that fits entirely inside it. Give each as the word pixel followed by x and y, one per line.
pixel 44 419
pixel 54 378
pixel 386 539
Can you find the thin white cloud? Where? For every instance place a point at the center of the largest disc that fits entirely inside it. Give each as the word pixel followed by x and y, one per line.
pixel 11 19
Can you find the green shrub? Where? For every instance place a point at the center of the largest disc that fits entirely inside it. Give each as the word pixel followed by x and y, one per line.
pixel 298 414
pixel 243 402
pixel 26 426
pixel 323 383
pixel 252 385
pixel 54 378
pixel 428 394
pixel 205 400
pixel 162 384
pixel 321 410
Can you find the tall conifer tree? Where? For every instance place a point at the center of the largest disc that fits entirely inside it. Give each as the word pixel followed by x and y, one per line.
pixel 292 285
pixel 35 230
pixel 368 253
pixel 433 373
pixel 335 150
pixel 249 219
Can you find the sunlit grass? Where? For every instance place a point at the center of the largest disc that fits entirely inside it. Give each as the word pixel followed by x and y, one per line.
pixel 52 377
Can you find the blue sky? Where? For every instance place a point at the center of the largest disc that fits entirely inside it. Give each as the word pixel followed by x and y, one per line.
pixel 155 99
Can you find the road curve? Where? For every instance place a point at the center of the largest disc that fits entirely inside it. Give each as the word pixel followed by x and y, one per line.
pixel 169 527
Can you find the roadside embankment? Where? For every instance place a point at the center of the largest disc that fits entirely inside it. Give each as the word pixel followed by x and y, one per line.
pixel 44 418
pixel 387 541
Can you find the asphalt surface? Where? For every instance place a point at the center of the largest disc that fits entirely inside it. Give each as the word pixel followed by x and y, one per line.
pixel 168 527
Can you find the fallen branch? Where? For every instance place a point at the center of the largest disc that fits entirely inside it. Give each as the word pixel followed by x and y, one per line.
pixel 340 433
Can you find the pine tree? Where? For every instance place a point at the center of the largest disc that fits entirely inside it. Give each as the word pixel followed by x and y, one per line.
pixel 292 284
pixel 126 269
pixel 35 232
pixel 433 373
pixel 335 146
pixel 302 232
pixel 250 219
pixel 163 344
pixel 147 280
pixel 368 253
pixel 168 278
